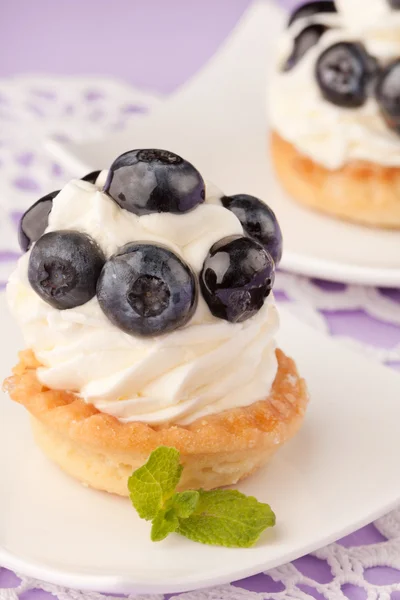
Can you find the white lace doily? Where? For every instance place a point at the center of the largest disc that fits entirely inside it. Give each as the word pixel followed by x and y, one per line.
pixel 372 315
pixel 33 109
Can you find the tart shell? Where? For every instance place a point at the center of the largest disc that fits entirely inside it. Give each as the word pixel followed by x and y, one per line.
pixel 360 191
pixel 101 452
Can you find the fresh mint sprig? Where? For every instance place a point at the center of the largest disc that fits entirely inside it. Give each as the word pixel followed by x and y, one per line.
pixel 219 517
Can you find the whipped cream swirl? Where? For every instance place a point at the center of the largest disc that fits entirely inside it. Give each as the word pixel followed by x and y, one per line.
pixel 332 135
pixel 206 367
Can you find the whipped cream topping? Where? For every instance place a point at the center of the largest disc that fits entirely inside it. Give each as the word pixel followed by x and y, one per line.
pixel 206 367
pixel 332 135
pixel 358 14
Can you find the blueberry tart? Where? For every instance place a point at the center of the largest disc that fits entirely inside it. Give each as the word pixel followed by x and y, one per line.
pixel 334 110
pixel 145 297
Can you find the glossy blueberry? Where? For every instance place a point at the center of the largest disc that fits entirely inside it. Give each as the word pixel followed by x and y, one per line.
pixel 343 72
pixel 147 290
pixel 64 267
pixel 34 222
pixel 91 177
pixel 387 93
pixel 237 276
pixel 309 9
pixel 149 181
pixel 306 39
pixel 258 221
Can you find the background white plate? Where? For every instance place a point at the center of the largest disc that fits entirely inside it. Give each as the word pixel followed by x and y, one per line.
pixel 338 474
pixel 218 121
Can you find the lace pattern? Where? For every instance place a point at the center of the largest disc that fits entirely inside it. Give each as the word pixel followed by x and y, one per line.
pixel 33 109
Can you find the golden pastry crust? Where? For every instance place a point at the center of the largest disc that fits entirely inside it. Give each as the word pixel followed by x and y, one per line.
pixel 360 191
pixel 102 452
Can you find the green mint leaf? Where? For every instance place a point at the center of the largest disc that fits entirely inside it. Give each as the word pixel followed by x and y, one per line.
pixel 185 503
pixel 164 523
pixel 220 517
pixel 154 483
pixel 227 518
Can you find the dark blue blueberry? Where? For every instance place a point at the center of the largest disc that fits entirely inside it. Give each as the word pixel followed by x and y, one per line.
pixel 91 177
pixel 343 72
pixel 147 290
pixel 309 9
pixel 395 4
pixel 258 221
pixel 149 181
pixel 237 276
pixel 387 93
pixel 35 221
pixel 64 267
pixel 306 39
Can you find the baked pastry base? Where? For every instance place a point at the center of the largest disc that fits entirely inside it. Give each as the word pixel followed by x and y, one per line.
pixel 360 191
pixel 102 452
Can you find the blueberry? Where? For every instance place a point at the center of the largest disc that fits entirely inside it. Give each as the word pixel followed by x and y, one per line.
pixel 237 276
pixel 147 290
pixel 343 72
pixel 387 93
pixel 395 4
pixel 258 221
pixel 64 267
pixel 91 177
pixel 306 39
pixel 149 181
pixel 309 9
pixel 34 222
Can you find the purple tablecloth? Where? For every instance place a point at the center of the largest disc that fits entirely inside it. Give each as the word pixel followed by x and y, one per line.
pixel 157 45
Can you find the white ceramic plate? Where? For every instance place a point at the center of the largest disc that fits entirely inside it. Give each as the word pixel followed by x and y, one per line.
pixel 218 121
pixel 336 475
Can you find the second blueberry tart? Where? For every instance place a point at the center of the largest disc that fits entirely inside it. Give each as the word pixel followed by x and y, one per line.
pixel 334 104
